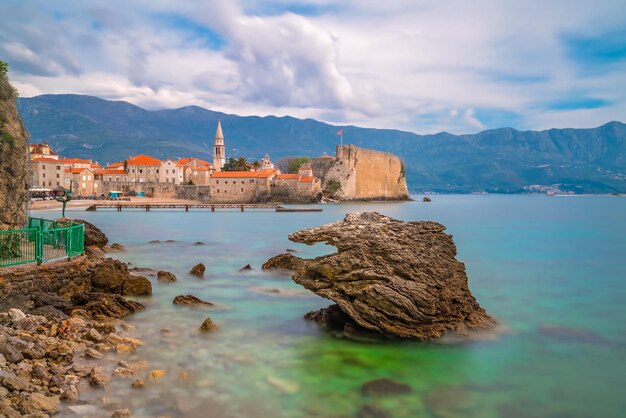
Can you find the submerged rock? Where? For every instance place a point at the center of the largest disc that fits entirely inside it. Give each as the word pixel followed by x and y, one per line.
pixel 198 270
pixel 166 277
pixel 399 279
pixel 208 325
pixel 190 300
pixel 385 387
pixel 247 267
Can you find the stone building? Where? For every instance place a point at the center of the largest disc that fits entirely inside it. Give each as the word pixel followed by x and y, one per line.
pixel 83 181
pixel 47 172
pixel 195 171
pixel 111 175
pixel 142 168
pixel 241 186
pixel 219 155
pixel 170 172
pixel 42 150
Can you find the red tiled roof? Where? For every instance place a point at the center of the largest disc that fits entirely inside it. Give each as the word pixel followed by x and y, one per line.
pixel 289 176
pixel 306 179
pixel 75 170
pixel 201 169
pixel 244 174
pixel 111 171
pixel 45 160
pixel 76 160
pixel 114 165
pixel 143 160
pixel 183 161
pixel 96 165
pixel 38 148
pixel 327 156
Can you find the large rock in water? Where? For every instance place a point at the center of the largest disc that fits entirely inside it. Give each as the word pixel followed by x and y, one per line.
pixel 14 164
pixel 400 279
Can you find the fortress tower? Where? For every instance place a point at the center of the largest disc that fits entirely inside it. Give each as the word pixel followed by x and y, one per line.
pixel 219 157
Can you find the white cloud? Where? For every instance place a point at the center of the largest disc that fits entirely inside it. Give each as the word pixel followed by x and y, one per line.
pixel 418 65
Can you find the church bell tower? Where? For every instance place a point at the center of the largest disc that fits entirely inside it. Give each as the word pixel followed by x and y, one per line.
pixel 219 157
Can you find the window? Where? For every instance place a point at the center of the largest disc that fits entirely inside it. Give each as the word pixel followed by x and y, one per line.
pixel 225 181
pixel 49 183
pixel 43 167
pixel 58 183
pixel 67 180
pixel 242 190
pixel 84 185
pixel 58 176
pixel 95 186
pixel 173 179
pixel 217 182
pixel 84 178
pixel 167 180
pixel 167 171
pixel 157 171
pixel 58 167
pixel 251 181
pixel 44 175
pixel 89 177
pixel 218 190
pixel 141 171
pixel 133 170
pixel 242 182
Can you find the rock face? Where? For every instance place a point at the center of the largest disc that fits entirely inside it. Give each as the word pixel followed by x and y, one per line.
pixel 399 279
pixel 14 164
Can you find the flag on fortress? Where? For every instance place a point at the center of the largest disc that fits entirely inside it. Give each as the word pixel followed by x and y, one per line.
pixel 340 132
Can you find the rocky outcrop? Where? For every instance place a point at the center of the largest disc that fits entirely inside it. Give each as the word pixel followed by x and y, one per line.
pixel 166 277
pixel 399 279
pixel 208 325
pixel 14 165
pixel 198 270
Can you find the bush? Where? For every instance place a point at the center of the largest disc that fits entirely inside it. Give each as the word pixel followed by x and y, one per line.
pixel 332 188
pixel 4 68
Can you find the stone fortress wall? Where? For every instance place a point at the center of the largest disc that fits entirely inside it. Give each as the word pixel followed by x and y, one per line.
pixel 364 174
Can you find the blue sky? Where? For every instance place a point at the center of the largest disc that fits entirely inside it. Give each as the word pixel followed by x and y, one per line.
pixel 423 66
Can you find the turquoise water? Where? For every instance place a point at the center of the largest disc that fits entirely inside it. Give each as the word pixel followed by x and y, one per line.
pixel 550 269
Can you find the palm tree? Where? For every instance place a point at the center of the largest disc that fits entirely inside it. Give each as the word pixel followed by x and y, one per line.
pixel 241 164
pixel 256 165
pixel 229 165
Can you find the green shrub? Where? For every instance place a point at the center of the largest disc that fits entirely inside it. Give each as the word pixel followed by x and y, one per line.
pixel 332 188
pixel 4 68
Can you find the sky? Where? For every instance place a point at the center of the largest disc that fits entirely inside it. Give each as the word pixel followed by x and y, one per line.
pixel 422 66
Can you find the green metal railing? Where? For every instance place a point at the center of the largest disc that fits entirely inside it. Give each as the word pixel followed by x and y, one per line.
pixel 44 240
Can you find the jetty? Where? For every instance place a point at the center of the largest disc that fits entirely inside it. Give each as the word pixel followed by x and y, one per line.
pixel 202 206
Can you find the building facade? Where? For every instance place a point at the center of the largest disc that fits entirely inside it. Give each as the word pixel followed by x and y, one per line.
pixel 47 172
pixel 142 168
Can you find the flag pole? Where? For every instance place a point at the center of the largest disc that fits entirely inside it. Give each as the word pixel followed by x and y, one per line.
pixel 341 138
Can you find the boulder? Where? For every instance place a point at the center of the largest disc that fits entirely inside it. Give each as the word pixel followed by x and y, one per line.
pixel 198 270
pixel 190 300
pixel 109 275
pixel 98 378
pixel 122 413
pixel 399 279
pixel 137 286
pixel 98 303
pixel 93 234
pixel 247 267
pixel 37 402
pixel 426 199
pixel 16 315
pixel 199 243
pixel 166 277
pixel 208 325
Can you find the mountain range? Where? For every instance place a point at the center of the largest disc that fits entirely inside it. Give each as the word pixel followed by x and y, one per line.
pixel 499 160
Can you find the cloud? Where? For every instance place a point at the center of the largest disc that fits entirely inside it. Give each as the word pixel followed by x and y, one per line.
pixel 411 64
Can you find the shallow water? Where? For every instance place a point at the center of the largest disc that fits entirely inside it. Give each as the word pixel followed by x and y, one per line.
pixel 548 268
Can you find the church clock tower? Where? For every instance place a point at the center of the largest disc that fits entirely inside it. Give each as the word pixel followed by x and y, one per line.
pixel 219 157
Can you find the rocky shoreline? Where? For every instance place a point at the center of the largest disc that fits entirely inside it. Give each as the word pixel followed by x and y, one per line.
pixel 60 328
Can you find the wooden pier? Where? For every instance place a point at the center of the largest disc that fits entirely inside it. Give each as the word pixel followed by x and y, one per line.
pixel 206 206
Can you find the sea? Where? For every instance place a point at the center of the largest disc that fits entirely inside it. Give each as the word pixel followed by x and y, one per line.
pixel 551 270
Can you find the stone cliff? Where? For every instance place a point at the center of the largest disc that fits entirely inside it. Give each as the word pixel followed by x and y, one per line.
pixel 398 279
pixel 362 174
pixel 14 165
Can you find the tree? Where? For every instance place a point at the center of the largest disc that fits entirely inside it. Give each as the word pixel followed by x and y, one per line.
pixel 256 165
pixel 241 164
pixel 331 188
pixel 229 165
pixel 292 164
